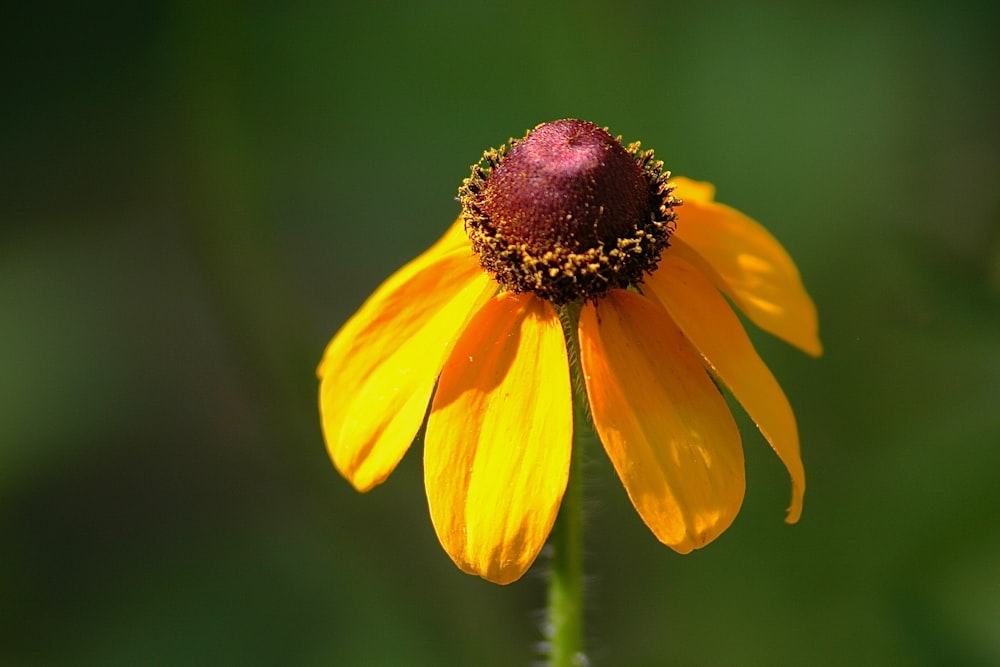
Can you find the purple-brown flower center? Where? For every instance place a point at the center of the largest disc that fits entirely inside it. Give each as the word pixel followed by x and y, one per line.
pixel 568 182
pixel 568 212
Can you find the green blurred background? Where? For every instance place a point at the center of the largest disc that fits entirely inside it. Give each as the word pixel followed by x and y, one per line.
pixel 194 197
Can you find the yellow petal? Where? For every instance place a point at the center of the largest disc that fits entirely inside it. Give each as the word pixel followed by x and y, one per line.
pixel 713 328
pixel 497 449
pixel 378 372
pixel 748 264
pixel 688 190
pixel 663 422
pixel 454 238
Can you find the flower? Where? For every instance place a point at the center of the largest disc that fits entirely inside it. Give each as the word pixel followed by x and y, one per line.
pixel 570 226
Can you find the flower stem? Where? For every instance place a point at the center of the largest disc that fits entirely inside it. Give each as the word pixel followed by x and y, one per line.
pixel 564 622
pixel 565 612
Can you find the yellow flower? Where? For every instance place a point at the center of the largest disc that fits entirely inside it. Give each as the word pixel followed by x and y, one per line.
pixel 473 328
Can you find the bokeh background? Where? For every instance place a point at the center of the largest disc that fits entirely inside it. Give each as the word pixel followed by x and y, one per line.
pixel 195 196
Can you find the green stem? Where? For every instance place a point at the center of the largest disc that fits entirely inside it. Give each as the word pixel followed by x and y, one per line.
pixel 565 594
pixel 565 613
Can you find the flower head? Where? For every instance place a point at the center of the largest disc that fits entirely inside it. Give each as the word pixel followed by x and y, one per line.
pixel 569 223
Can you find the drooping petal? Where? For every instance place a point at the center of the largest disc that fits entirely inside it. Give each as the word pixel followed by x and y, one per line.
pixel 748 264
pixel 710 324
pixel 454 238
pixel 664 424
pixel 688 190
pixel 378 372
pixel 497 449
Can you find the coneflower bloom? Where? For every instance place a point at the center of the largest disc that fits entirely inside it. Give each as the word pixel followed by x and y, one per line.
pixel 570 241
